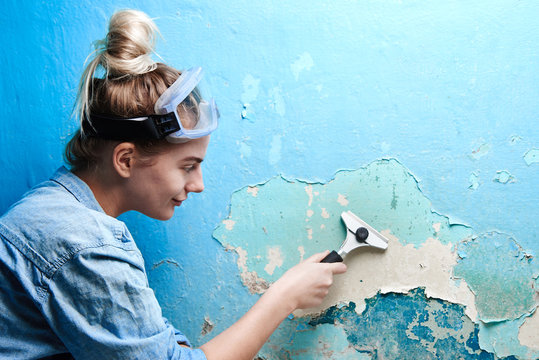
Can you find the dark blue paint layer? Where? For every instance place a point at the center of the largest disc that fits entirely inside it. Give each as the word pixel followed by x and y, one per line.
pixel 381 330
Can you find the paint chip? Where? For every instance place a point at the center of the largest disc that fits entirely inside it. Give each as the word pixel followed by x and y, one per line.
pixel 528 334
pixel 474 181
pixel 253 190
pixel 207 326
pixel 481 151
pixel 275 260
pixel 229 224
pixel 341 199
pixel 531 157
pixel 514 139
pixel 504 177
pixel 325 213
pixel 309 191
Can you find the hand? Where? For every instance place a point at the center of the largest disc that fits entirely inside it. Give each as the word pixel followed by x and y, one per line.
pixel 307 284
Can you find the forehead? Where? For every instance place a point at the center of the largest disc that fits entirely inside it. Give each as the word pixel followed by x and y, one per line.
pixel 193 150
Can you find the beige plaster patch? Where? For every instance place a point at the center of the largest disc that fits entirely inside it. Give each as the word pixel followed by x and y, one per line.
pixel 399 269
pixel 528 335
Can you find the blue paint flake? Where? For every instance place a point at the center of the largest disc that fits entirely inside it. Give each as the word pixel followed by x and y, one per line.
pixel 383 329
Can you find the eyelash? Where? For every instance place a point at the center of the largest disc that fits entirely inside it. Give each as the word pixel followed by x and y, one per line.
pixel 188 169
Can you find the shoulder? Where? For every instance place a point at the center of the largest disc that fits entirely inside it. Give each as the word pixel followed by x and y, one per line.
pixel 49 225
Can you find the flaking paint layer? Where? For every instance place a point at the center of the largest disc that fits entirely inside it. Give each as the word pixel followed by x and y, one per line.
pixel 288 219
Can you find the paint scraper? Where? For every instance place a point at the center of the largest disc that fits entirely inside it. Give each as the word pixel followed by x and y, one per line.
pixel 358 234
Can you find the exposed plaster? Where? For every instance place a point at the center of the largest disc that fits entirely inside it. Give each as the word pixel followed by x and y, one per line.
pixel 207 326
pixel 398 270
pixel 290 219
pixel 528 332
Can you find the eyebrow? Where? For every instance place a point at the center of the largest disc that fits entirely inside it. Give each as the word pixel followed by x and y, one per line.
pixel 193 158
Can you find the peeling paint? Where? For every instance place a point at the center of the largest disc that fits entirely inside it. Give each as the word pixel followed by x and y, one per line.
pixel 400 268
pixel 474 181
pixel 531 157
pixel 229 224
pixel 341 199
pixel 207 326
pixel 528 333
pixel 515 139
pixel 275 260
pixel 253 190
pixel 425 251
pixel 481 151
pixel 502 339
pixel 497 271
pixel 411 326
pixel 504 177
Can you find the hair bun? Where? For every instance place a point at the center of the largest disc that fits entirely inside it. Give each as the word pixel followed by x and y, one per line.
pixel 129 44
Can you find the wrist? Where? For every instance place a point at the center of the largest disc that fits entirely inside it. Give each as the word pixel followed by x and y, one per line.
pixel 278 299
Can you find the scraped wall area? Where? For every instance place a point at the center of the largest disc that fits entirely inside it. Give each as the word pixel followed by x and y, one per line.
pixel 418 116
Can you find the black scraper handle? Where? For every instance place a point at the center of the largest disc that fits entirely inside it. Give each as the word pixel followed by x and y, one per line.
pixel 332 257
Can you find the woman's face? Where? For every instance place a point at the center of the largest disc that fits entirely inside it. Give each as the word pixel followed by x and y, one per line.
pixel 155 189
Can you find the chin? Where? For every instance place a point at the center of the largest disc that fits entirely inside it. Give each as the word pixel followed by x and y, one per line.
pixel 163 216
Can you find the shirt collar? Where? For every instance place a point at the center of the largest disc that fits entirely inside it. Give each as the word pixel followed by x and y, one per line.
pixel 78 188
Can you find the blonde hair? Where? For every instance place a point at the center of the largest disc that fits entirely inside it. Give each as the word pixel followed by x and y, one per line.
pixel 123 80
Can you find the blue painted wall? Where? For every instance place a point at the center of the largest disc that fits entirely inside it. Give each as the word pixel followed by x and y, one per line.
pixel 305 89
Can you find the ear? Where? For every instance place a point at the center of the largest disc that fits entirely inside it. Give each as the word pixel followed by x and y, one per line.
pixel 123 157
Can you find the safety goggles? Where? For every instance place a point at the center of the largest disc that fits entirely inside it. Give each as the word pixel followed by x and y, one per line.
pixel 182 113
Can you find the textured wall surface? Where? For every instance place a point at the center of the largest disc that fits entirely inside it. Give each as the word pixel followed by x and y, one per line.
pixel 419 116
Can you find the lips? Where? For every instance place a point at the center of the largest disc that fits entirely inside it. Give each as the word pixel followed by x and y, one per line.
pixel 177 202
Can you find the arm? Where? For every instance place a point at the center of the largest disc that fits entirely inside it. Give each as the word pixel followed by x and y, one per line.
pixel 303 286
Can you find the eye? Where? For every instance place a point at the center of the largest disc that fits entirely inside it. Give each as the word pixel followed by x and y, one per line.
pixel 189 168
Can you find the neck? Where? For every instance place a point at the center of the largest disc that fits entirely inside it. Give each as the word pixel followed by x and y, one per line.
pixel 106 189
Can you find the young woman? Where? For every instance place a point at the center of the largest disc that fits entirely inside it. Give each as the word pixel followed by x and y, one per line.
pixel 72 281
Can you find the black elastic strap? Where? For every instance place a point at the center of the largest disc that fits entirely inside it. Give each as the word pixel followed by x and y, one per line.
pixel 117 128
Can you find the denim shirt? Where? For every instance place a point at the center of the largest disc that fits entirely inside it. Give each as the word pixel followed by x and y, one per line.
pixel 72 280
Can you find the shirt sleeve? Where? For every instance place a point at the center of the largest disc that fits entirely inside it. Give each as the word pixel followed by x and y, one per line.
pixel 101 307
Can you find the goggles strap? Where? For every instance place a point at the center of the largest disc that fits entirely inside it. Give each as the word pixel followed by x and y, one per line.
pixel 117 128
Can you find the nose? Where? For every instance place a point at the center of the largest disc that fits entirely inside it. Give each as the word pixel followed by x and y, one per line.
pixel 196 182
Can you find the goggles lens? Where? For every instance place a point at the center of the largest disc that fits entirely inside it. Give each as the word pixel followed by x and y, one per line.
pixel 196 113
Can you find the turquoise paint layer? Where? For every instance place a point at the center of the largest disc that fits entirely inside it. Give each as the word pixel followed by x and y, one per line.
pixel 502 339
pixel 286 218
pixel 501 276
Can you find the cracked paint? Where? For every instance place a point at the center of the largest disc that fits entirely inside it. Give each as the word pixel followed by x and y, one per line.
pixel 425 250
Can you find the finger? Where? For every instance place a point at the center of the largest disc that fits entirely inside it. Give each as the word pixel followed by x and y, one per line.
pixel 338 268
pixel 316 258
